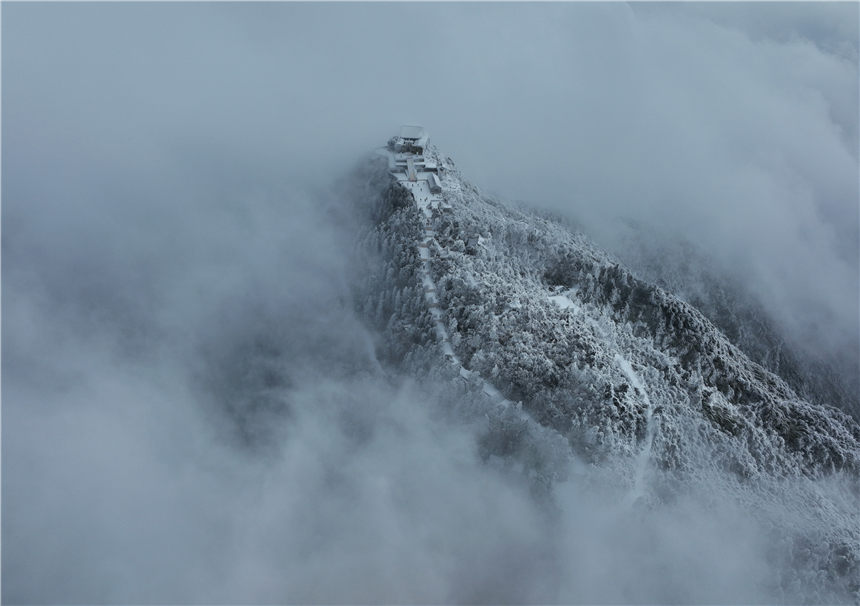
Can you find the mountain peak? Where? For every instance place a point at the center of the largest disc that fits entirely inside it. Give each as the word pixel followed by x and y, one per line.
pixel 567 353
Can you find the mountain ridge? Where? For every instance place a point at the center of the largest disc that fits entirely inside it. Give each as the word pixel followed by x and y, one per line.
pixel 474 292
pixel 601 367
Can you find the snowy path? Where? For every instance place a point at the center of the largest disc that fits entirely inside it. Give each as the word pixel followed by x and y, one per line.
pixel 566 301
pixel 416 181
pixel 644 456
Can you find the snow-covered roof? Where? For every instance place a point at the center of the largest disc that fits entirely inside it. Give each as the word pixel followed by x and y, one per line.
pixel 412 132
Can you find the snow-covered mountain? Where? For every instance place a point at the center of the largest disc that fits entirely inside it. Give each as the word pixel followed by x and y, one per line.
pixel 571 356
pixel 823 374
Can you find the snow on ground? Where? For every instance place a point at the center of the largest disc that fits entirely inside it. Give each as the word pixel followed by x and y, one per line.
pixel 565 302
pixel 426 201
pixel 641 464
pixel 635 381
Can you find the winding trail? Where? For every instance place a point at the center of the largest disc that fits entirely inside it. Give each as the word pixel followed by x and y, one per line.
pixel 416 181
pixel 415 172
pixel 644 457
pixel 652 422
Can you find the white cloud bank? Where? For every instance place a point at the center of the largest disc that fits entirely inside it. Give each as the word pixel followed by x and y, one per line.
pixel 173 294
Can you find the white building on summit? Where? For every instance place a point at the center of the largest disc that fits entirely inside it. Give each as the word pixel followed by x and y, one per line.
pixel 411 139
pixel 415 164
pixel 410 153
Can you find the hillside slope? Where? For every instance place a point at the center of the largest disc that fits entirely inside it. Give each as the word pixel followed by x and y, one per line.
pixel 620 372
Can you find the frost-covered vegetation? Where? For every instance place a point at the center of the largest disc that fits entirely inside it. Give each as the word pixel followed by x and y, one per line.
pixel 613 371
pixel 823 374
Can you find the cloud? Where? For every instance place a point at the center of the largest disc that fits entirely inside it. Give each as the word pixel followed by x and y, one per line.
pixel 191 410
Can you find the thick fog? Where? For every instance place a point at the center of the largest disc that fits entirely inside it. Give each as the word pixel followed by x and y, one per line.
pixel 192 411
pixel 733 127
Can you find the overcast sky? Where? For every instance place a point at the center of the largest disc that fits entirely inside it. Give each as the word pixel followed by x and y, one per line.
pixel 734 125
pixel 164 171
